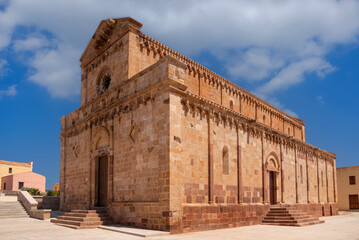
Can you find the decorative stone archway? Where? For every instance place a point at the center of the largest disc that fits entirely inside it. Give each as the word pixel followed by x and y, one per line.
pixel 272 167
pixel 101 165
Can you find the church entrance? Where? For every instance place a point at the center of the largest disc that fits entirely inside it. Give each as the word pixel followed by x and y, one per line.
pixel 101 181
pixel 272 188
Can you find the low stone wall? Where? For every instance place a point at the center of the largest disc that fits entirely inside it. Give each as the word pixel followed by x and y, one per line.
pixel 9 193
pixel 318 209
pixel 27 201
pixel 48 202
pixel 42 214
pixel 210 217
pixel 31 204
pixel 140 214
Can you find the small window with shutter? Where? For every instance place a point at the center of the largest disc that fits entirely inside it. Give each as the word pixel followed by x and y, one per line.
pixel 352 180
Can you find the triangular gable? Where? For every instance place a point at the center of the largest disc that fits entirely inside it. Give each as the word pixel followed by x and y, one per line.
pixel 106 33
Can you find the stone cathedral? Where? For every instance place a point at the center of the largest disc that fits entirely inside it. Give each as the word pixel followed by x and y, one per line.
pixel 162 142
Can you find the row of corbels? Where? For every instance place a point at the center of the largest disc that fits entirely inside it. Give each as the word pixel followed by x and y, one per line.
pixel 195 69
pixel 220 114
pixel 83 124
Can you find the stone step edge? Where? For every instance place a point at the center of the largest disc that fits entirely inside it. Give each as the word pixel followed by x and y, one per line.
pixel 86 219
pixel 78 223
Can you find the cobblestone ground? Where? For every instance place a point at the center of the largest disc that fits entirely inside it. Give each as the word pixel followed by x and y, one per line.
pixel 338 227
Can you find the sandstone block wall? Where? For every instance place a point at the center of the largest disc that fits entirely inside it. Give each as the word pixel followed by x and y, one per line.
pixel 187 150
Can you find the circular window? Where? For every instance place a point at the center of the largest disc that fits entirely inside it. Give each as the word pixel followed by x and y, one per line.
pixel 103 80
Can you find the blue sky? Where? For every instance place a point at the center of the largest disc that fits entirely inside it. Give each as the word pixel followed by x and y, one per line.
pixel 301 56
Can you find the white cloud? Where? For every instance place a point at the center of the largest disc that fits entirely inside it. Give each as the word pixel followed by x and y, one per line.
pixel 294 73
pixel 255 64
pixel 274 43
pixel 3 67
pixel 10 91
pixel 32 43
pixel 273 101
pixel 320 100
pixel 57 70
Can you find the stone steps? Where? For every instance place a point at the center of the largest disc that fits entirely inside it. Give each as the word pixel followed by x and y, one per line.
pixel 83 219
pixel 289 216
pixel 12 210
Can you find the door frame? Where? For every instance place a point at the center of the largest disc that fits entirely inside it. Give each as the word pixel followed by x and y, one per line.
pixel 272 187
pixel 93 194
pixel 101 198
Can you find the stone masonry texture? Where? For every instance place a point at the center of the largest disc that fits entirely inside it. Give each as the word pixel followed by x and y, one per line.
pixel 185 149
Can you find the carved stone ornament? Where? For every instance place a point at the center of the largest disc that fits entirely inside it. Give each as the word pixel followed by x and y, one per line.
pixel 103 80
pixel 134 131
pixel 76 150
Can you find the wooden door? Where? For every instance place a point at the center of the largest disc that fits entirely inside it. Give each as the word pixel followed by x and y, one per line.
pixel 353 202
pixel 272 188
pixel 101 181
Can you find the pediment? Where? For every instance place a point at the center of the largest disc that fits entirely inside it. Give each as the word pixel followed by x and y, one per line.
pixel 106 33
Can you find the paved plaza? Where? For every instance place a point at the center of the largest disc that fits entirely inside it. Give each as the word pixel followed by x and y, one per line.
pixel 337 227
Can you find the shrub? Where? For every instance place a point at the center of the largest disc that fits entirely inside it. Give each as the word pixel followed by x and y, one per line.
pixel 53 193
pixel 32 191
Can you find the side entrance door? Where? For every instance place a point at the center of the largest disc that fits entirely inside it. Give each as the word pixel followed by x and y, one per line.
pixel 272 188
pixel 353 202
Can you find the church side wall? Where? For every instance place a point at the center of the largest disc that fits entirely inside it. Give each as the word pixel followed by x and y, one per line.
pixel 289 171
pixel 205 195
pixel 194 207
pixel 251 158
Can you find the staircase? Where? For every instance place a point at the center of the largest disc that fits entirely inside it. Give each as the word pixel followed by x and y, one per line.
pixel 81 219
pixel 12 209
pixel 289 216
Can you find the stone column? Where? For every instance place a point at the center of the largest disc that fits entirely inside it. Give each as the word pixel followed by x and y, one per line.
pixel 63 173
pixel 307 173
pixel 334 181
pixel 210 162
pixel 276 176
pixel 91 173
pixel 111 178
pixel 326 179
pixel 281 173
pixel 112 161
pixel 239 169
pixel 318 181
pixel 264 173
pixel 296 175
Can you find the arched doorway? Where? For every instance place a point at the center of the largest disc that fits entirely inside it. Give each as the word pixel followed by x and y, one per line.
pixel 100 167
pixel 273 168
pixel 101 181
pixel 272 188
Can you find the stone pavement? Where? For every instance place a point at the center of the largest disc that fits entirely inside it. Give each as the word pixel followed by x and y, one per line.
pixel 337 227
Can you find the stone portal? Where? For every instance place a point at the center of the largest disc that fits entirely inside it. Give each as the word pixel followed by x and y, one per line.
pixel 101 181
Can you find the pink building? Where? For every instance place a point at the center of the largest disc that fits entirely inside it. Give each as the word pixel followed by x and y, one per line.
pixel 27 179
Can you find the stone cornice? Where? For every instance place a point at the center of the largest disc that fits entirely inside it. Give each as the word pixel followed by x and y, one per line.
pixel 217 112
pixel 156 47
pixel 106 34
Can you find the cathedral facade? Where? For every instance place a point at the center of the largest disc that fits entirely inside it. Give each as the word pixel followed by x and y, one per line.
pixel 164 143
